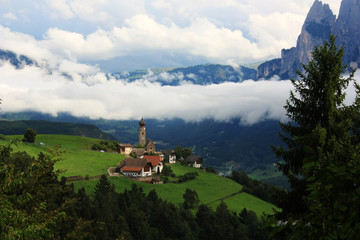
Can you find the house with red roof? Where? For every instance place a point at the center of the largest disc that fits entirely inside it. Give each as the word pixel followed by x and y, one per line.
pixel 135 167
pixel 156 162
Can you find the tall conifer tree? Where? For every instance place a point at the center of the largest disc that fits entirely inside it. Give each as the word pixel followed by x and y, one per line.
pixel 321 151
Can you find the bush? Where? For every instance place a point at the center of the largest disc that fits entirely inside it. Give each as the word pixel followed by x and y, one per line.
pixel 105 145
pixel 167 171
pixel 187 176
pixel 29 135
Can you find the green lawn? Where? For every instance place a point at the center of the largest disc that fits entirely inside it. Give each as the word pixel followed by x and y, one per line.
pixel 78 159
pixel 249 202
pixel 87 163
pixel 210 188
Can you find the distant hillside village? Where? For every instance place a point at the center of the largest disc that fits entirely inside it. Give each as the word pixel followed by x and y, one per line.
pixel 143 160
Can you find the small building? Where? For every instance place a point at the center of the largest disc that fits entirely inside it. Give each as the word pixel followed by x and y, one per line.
pixel 125 148
pixel 135 167
pixel 170 154
pixel 139 152
pixel 195 161
pixel 150 146
pixel 157 163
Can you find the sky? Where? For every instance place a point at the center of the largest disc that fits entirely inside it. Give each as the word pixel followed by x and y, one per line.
pixel 86 39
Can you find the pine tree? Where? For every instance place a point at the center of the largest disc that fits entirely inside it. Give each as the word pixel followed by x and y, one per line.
pixel 321 158
pixel 34 204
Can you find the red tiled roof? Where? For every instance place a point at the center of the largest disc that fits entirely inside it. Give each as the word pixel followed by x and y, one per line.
pixel 154 160
pixel 131 169
pixel 126 145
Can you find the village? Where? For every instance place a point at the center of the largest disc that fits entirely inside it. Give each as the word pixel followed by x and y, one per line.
pixel 144 163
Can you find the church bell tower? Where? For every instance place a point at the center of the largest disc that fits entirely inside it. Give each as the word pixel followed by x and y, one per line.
pixel 142 132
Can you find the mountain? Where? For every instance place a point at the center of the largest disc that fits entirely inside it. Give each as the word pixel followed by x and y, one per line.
pixel 199 74
pixel 17 60
pixel 347 30
pixel 46 127
pixel 318 25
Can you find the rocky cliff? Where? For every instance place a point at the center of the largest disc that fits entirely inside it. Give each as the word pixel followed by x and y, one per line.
pixel 318 25
pixel 347 30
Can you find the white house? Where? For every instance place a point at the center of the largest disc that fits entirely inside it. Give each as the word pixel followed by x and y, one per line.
pixel 135 167
pixel 194 161
pixel 171 155
pixel 156 162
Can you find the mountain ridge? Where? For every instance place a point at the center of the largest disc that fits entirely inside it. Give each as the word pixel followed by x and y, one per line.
pixel 50 127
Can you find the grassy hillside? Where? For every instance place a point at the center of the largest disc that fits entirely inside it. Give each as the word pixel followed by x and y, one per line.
pixel 211 189
pixel 79 160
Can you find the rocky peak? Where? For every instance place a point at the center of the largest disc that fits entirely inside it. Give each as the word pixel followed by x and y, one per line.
pixel 318 25
pixel 320 12
pixel 347 31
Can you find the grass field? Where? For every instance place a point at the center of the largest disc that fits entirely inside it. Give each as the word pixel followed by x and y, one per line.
pixel 210 188
pixel 80 160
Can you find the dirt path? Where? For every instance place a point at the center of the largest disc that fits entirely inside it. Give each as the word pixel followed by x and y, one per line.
pixel 226 197
pixel 112 173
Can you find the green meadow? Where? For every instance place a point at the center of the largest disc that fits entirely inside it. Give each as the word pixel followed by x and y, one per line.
pixel 210 188
pixel 78 159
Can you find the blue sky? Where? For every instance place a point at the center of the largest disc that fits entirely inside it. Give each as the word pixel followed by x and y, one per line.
pixel 75 43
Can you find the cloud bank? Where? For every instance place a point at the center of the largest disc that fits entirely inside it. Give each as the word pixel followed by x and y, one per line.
pixel 94 95
pixel 84 91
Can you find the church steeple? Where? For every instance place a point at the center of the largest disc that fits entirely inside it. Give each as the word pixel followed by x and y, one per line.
pixel 142 132
pixel 142 122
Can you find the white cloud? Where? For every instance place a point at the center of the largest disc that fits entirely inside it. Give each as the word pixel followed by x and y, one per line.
pixel 10 16
pixel 92 95
pixel 23 44
pixel 60 9
pixel 90 10
pixel 230 31
pixel 273 29
pixel 142 34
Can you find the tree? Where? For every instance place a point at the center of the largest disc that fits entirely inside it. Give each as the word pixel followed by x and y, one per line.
pixel 34 204
pixel 102 189
pixel 182 153
pixel 205 219
pixel 191 199
pixel 167 171
pixel 186 152
pixel 321 159
pixel 29 135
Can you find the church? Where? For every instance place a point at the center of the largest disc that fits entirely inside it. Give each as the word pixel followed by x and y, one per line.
pixel 148 144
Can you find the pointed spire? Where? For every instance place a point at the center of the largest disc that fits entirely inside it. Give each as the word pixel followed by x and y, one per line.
pixel 142 122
